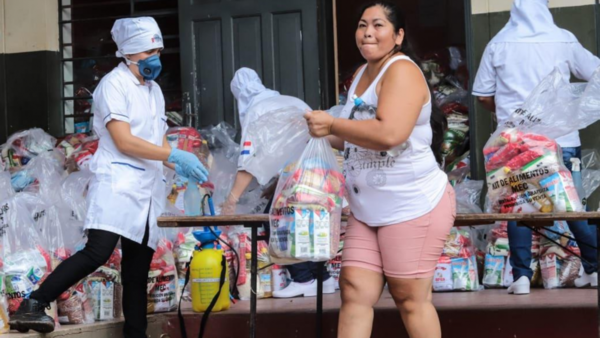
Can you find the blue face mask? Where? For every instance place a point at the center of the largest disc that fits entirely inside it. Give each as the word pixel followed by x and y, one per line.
pixel 150 67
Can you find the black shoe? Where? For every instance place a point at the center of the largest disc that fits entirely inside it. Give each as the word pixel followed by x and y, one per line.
pixel 31 315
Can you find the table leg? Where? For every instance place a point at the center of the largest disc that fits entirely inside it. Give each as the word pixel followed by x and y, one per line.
pixel 319 319
pixel 253 287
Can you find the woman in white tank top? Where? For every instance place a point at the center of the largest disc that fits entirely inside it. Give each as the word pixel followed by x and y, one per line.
pixel 402 206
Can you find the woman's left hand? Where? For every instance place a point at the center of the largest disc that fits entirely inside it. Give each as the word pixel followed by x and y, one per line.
pixel 319 123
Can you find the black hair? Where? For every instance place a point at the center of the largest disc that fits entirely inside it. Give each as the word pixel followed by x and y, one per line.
pixel 438 120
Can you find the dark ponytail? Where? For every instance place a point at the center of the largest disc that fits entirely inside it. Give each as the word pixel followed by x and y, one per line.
pixel 438 119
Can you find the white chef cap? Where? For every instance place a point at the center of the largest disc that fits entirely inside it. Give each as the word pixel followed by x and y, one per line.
pixel 136 35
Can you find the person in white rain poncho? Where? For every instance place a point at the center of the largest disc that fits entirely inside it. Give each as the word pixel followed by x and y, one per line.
pixel 127 192
pixel 523 53
pixel 253 101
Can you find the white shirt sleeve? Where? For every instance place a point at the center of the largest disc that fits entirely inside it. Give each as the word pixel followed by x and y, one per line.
pixel 110 102
pixel 485 81
pixel 583 64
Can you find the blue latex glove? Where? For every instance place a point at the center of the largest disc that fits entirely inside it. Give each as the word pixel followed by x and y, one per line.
pixel 20 180
pixel 188 165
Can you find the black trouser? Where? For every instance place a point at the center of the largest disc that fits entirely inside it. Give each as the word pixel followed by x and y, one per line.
pixel 134 275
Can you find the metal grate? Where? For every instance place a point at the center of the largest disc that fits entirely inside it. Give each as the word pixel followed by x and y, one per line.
pixel 88 52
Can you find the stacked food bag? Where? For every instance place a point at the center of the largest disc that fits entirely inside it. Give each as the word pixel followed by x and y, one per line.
pixel 162 279
pixel 447 73
pixel 560 267
pixel 524 165
pixel 23 146
pixel 334 266
pixel 306 214
pixel 26 263
pixel 105 290
pixel 78 150
pixel 183 250
pixel 457 267
pixel 264 273
pixel 497 269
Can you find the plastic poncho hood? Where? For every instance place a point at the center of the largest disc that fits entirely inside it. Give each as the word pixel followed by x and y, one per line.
pixel 531 21
pixel 248 90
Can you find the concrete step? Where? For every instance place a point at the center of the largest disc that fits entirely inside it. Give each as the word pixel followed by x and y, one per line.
pixel 567 313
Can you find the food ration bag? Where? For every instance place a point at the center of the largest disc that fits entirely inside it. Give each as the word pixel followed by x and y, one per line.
pixel 26 263
pixel 162 279
pixel 305 217
pixel 457 267
pixel 524 165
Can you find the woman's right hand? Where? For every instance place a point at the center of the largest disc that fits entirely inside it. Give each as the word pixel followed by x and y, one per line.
pixel 188 165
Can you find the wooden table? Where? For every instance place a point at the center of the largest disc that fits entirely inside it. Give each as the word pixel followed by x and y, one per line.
pixel 256 221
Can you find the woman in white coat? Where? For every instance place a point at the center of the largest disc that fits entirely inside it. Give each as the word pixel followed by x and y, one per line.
pixel 126 194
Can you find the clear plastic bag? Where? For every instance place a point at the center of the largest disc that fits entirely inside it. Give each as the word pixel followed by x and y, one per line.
pixel 590 172
pixel 74 306
pixel 336 111
pixel 457 267
pixel 26 263
pixel 48 171
pixel 525 170
pixel 468 197
pixel 183 249
pixel 31 143
pixel 6 189
pixel 305 217
pixel 271 141
pixel 73 192
pixel 560 268
pixel 3 305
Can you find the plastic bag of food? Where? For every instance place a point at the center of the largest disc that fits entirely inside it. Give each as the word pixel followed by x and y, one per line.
pixel 457 267
pixel 190 140
pixel 162 279
pixel 3 305
pixel 305 217
pixel 271 141
pixel 334 266
pixel 26 263
pixel 82 156
pixel 6 189
pixel 103 287
pixel 47 171
pixel 74 306
pixel 525 172
pixel 183 250
pixel 590 172
pixel 560 268
pixel 468 197
pixel 27 144
pixel 73 192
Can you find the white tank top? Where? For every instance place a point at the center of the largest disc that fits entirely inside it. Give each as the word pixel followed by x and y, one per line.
pixel 390 187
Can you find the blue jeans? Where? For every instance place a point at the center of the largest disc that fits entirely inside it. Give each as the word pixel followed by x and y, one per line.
pixel 307 271
pixel 520 237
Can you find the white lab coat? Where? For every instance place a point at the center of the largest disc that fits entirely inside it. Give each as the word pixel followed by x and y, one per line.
pixel 127 192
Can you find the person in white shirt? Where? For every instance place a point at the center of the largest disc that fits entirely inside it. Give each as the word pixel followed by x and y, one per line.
pixel 523 53
pixel 402 205
pixel 127 191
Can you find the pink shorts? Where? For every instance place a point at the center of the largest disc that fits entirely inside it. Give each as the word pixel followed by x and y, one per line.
pixel 409 249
